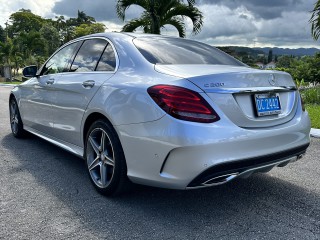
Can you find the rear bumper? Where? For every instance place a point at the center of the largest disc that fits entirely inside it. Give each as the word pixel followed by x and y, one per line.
pixel 225 172
pixel 175 154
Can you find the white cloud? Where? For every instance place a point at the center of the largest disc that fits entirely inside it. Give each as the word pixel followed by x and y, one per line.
pixel 42 8
pixel 226 22
pixel 291 24
pixel 239 26
pixel 221 21
pixel 112 27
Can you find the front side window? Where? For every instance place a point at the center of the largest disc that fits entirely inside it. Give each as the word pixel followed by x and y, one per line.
pixel 59 62
pixel 88 56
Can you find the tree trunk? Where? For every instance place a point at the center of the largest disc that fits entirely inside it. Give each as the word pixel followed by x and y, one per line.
pixel 155 26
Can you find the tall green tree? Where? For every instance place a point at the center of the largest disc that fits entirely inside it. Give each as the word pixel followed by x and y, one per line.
pixel 32 38
pixel 74 27
pixel 31 44
pixel 10 55
pixel 82 18
pixel 51 37
pixel 17 59
pixel 60 23
pixel 158 13
pixel 270 56
pixel 315 21
pixel 86 29
pixel 2 34
pixel 24 21
pixel 284 61
pixel 6 51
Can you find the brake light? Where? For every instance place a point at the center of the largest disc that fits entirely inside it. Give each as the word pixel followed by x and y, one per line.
pixel 182 103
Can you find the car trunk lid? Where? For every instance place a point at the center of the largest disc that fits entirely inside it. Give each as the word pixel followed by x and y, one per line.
pixel 242 93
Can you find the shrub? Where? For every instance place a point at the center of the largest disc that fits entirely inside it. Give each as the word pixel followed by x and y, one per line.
pixel 311 95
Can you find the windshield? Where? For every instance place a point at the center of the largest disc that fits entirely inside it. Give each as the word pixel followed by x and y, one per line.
pixel 162 50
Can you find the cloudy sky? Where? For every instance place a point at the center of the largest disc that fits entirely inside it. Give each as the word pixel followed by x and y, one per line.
pixel 281 23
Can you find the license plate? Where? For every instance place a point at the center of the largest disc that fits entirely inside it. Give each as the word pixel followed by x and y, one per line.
pixel 267 104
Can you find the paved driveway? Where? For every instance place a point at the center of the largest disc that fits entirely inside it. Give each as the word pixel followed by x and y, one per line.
pixel 45 193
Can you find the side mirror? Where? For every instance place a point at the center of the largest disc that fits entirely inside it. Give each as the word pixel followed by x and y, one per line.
pixel 30 71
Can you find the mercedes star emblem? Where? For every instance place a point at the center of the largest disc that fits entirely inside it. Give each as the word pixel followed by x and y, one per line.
pixel 272 79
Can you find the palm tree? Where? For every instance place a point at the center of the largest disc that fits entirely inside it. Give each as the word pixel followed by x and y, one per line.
pixel 315 21
pixel 158 13
pixel 60 23
pixel 31 43
pixel 6 51
pixel 84 18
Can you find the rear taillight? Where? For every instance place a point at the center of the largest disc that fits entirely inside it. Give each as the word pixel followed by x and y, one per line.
pixel 182 103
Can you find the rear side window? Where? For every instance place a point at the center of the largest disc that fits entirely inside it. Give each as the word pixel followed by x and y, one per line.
pixel 88 56
pixel 108 60
pixel 161 50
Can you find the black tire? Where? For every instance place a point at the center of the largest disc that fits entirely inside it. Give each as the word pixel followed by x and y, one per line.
pixel 15 119
pixel 105 159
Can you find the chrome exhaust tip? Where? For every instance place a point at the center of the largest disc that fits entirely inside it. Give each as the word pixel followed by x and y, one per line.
pixel 219 180
pixel 296 158
pixel 300 156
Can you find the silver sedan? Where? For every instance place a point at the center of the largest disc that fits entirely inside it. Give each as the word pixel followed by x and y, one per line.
pixel 160 111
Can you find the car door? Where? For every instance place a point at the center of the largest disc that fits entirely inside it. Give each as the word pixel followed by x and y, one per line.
pixel 39 94
pixel 94 63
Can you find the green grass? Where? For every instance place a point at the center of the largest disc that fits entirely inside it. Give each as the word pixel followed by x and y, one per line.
pixel 314 114
pixel 16 82
pixel 311 99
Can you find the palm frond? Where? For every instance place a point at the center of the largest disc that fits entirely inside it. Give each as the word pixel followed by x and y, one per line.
pixel 315 21
pixel 146 29
pixel 136 23
pixel 187 11
pixel 158 13
pixel 191 2
pixel 123 5
pixel 178 24
pixel 165 5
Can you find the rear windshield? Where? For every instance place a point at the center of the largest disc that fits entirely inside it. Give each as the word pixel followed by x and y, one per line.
pixel 159 50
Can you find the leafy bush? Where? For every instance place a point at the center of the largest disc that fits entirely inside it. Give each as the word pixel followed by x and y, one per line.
pixel 311 95
pixel 303 68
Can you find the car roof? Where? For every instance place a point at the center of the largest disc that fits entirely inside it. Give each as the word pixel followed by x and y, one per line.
pixel 128 34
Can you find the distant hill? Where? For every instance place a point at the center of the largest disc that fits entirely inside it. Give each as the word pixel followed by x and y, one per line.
pixel 234 50
pixel 289 51
pixel 275 51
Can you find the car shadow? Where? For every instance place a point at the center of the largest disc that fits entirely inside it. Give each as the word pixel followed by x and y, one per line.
pixel 250 207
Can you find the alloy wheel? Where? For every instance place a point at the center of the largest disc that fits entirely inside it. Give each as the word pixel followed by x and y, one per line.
pixel 100 157
pixel 14 118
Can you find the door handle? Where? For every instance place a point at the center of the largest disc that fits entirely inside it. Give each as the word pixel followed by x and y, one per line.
pixel 50 81
pixel 88 84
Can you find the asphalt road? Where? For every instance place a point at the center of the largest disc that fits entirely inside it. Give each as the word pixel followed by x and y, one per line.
pixel 45 193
